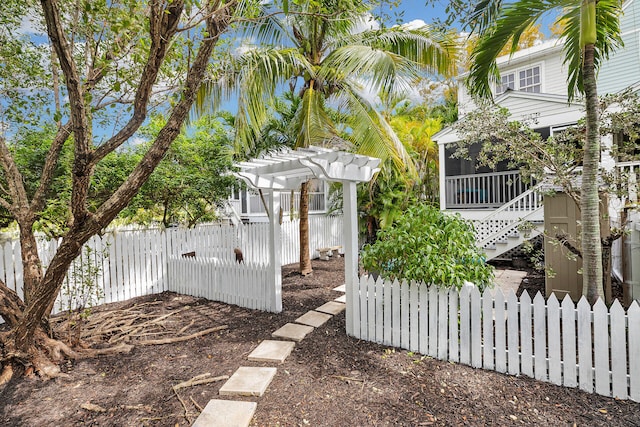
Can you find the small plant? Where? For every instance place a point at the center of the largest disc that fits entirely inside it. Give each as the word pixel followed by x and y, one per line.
pixel 81 291
pixel 426 245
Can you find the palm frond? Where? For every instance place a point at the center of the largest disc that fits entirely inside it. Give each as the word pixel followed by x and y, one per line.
pixel 371 134
pixel 266 28
pixel 311 124
pixel 382 70
pixel 253 78
pixel 513 19
pixel 430 48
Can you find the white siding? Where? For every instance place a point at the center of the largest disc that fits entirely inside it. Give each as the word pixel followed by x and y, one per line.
pixel 623 67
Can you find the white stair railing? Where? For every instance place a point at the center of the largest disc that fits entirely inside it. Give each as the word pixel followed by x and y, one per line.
pixel 512 227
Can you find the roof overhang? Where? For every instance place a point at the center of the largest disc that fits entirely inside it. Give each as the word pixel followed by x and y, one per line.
pixel 287 169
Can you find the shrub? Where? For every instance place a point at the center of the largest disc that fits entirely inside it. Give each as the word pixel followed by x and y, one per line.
pixel 428 246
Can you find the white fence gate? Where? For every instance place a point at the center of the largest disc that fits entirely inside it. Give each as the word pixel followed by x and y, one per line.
pixel 136 262
pixel 596 349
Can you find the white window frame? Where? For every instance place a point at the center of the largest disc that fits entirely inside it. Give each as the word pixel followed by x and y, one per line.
pixel 500 88
pixel 525 87
pixel 503 86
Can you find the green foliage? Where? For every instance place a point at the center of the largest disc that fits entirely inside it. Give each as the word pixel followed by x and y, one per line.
pixel 428 246
pixel 191 181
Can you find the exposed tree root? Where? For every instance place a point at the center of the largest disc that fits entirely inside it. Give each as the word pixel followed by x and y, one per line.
pixel 101 333
pixel 7 374
pixel 199 379
pixel 184 338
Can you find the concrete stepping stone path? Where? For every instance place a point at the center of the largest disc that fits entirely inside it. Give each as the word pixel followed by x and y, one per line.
pixel 248 381
pixel 294 332
pixel 313 318
pixel 272 351
pixel 253 381
pixel 341 288
pixel 226 413
pixel 331 307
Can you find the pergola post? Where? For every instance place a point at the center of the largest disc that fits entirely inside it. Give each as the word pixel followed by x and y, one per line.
pixel 275 260
pixel 350 224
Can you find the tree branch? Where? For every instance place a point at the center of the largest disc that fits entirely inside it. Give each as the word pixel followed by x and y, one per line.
pixel 216 25
pixel 564 241
pixel 48 170
pixel 11 306
pixel 77 107
pixel 163 26
pixel 17 192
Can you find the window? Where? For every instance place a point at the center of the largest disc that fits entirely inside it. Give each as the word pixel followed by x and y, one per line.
pixel 508 81
pixel 530 80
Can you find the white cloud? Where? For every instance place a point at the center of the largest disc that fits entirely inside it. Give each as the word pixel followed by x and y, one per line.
pixel 414 25
pixel 366 23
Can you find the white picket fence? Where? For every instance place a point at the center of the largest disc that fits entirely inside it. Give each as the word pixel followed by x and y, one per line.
pixel 136 262
pixel 596 349
pixel 246 284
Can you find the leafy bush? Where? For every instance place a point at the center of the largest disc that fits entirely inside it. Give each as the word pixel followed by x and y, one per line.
pixel 428 246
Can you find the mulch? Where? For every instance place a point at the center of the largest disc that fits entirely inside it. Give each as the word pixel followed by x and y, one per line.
pixel 329 379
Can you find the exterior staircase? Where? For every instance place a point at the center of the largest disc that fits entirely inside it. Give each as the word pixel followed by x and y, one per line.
pixel 509 226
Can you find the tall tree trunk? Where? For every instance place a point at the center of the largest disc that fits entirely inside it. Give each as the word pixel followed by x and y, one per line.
pixel 305 256
pixel 589 202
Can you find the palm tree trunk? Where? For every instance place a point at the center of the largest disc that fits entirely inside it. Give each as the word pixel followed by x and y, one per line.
pixel 589 205
pixel 305 256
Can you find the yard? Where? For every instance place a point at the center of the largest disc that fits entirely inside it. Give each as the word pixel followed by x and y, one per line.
pixel 329 379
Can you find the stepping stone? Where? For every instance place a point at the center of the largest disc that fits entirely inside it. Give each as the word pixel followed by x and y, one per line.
pixel 248 381
pixel 272 351
pixel 342 299
pixel 294 332
pixel 313 318
pixel 226 413
pixel 331 307
pixel 341 288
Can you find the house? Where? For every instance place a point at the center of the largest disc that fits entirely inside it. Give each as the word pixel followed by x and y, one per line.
pixel 533 88
pixel 247 205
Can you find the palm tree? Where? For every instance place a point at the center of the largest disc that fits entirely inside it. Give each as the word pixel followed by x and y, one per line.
pixel 317 49
pixel 591 31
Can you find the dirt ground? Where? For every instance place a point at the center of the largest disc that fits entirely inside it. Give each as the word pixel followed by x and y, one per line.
pixel 328 380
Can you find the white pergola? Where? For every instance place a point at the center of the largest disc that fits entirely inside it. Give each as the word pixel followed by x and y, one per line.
pixel 286 170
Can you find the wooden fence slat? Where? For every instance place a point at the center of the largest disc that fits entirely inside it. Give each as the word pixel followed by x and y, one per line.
pixel 476 328
pixel 404 315
pixel 395 313
pixel 540 338
pixel 433 321
pixel 553 343
pixel 634 349
pixel 487 330
pixel 454 336
pixel 414 336
pixel 424 319
pixel 513 334
pixel 526 340
pixel 380 310
pixel 585 361
pixel 443 324
pixel 388 325
pixel 601 348
pixel 618 351
pixel 465 326
pixel 371 296
pixel 364 313
pixel 569 366
pixel 500 333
